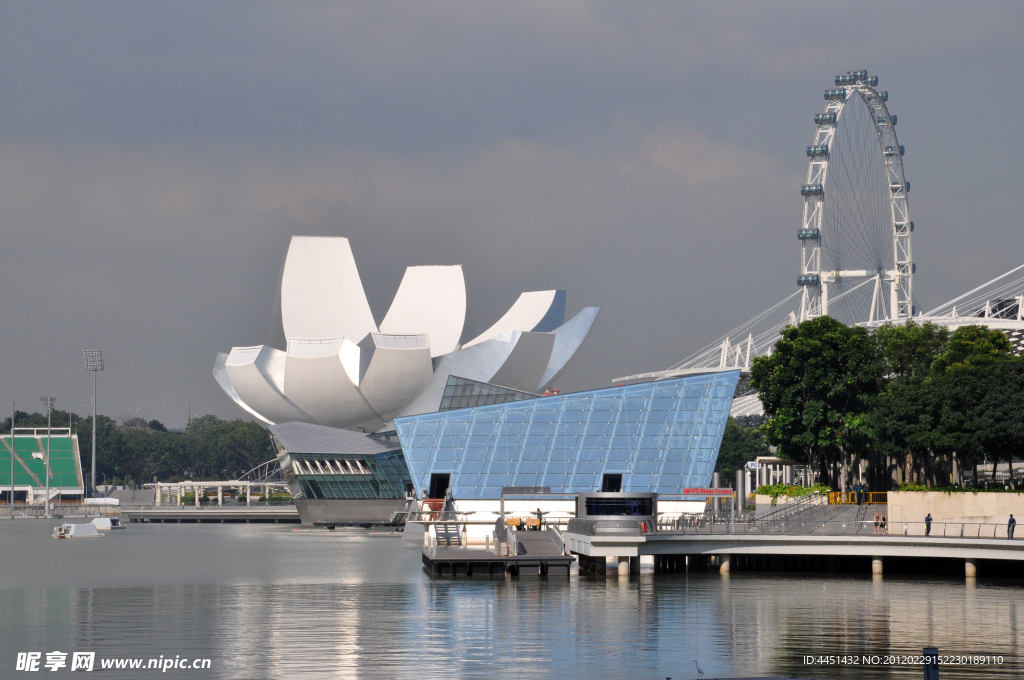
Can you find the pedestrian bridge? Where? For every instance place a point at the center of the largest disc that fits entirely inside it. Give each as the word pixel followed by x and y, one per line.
pixel 729 543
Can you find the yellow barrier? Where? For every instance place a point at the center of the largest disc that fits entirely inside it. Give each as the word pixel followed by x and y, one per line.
pixel 850 498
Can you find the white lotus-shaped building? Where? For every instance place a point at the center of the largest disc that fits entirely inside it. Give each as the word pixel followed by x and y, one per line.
pixel 332 365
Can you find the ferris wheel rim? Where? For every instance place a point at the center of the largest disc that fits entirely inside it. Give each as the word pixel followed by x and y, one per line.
pixel 813 279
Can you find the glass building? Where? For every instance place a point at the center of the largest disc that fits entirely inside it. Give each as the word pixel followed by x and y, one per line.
pixel 660 437
pixel 327 463
pixel 465 393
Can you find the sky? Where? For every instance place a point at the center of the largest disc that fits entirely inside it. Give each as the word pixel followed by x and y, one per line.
pixel 155 159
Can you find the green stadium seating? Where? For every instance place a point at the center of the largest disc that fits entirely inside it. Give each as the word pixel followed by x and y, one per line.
pixel 65 471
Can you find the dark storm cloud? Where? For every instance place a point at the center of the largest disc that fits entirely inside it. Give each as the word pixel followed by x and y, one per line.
pixel 155 158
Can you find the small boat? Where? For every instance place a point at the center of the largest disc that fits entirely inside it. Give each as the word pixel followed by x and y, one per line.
pixel 108 523
pixel 86 530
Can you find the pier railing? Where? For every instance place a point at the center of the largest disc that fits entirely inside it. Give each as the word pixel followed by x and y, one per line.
pixel 722 525
pixel 958 530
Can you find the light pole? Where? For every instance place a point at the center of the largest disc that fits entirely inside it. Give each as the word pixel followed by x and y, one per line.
pixel 190 412
pixel 94 363
pixel 48 401
pixel 12 459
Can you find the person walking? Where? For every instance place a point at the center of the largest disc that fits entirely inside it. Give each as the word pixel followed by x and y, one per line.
pixel 928 525
pixel 877 522
pixel 884 529
pixel 1010 526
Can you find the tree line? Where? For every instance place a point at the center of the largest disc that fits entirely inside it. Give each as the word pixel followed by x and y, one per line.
pixel 136 451
pixel 912 403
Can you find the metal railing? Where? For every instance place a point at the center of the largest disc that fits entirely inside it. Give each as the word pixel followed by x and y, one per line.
pixel 795 506
pixel 32 510
pixel 796 527
pixel 558 534
pixel 949 529
pixel 609 527
pixel 206 507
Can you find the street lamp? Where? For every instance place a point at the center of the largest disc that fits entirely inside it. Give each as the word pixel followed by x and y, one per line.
pixel 48 401
pixel 94 363
pixel 190 411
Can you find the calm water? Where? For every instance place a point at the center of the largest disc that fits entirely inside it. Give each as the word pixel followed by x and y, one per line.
pixel 266 601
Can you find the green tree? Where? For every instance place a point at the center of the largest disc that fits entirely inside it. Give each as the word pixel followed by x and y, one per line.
pixel 815 387
pixel 905 417
pixel 983 408
pixel 971 343
pixel 739 445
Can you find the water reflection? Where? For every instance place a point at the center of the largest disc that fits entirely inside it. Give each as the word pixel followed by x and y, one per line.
pixel 352 607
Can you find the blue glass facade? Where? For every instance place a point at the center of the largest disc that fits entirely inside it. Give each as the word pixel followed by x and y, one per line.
pixel 661 437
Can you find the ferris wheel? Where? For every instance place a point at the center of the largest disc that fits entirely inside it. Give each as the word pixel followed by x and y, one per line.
pixel 855 256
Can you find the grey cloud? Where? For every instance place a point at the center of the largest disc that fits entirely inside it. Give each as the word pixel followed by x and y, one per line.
pixel 154 160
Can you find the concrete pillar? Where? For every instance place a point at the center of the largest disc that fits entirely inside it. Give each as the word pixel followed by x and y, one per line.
pixel 716 504
pixel 248 493
pixel 970 568
pixel 159 494
pixel 876 566
pixel 195 491
pixel 634 565
pixel 220 494
pixel 724 564
pixel 623 566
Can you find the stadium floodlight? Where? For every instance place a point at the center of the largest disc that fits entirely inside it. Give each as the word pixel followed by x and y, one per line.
pixel 93 363
pixel 49 410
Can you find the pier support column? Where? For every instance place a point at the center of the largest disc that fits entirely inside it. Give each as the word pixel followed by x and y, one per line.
pixel 970 568
pixel 724 564
pixel 876 566
pixel 623 566
pixel 634 565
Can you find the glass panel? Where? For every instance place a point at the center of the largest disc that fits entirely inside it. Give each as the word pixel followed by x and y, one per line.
pixel 663 442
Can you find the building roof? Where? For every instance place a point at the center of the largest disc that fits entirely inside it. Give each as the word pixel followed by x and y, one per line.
pixel 296 437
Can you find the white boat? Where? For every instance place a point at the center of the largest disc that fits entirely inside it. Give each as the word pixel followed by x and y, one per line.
pixel 108 523
pixel 85 530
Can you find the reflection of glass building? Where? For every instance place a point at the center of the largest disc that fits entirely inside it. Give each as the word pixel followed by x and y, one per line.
pixel 660 437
